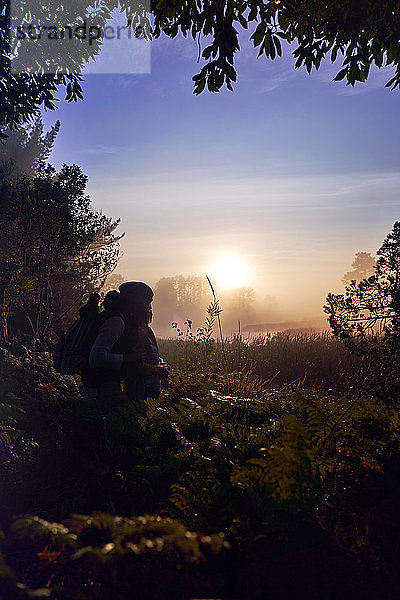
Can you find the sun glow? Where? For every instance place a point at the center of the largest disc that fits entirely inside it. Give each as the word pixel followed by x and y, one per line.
pixel 230 271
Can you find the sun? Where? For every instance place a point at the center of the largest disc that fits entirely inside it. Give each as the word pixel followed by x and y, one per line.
pixel 230 271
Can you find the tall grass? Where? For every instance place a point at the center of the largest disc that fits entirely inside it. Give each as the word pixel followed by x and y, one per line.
pixel 305 359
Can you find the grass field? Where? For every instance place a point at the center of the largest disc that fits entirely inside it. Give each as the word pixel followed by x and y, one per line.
pixel 314 361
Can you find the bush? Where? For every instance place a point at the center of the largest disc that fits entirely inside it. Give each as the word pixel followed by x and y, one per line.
pixel 273 472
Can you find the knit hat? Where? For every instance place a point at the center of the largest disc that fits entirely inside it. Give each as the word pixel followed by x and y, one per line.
pixel 136 292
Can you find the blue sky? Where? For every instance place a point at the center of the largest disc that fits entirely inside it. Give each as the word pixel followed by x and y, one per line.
pixel 294 173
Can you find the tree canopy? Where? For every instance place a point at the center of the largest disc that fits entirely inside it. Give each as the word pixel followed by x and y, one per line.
pixel 371 307
pixel 54 249
pixel 362 33
pixel 358 34
pixel 367 317
pixel 26 149
pixel 362 267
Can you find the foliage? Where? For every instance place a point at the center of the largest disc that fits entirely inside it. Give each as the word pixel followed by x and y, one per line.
pixel 362 268
pixel 222 459
pixel 112 282
pixel 201 339
pixel 273 471
pixel 204 334
pixel 371 305
pixel 54 248
pixel 23 95
pixel 363 34
pixel 99 555
pixel 26 149
pixel 367 316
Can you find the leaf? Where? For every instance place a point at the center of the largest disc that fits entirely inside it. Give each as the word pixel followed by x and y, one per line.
pixel 259 34
pixel 243 21
pixel 341 75
pixel 395 81
pixel 199 86
pixel 277 45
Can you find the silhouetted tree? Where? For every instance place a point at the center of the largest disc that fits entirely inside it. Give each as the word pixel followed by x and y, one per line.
pixel 362 267
pixel 240 298
pixel 54 248
pixel 237 304
pixel 373 304
pixel 187 297
pixel 112 282
pixel 191 290
pixel 165 303
pixel 25 149
pixel 367 316
pixel 180 297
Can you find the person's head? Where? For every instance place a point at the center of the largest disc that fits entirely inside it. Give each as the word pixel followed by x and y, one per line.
pixel 94 299
pixel 136 298
pixel 112 301
pixel 91 308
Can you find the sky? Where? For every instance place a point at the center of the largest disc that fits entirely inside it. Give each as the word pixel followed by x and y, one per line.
pixel 292 173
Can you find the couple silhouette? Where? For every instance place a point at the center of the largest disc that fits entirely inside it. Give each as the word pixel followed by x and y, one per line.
pixel 123 361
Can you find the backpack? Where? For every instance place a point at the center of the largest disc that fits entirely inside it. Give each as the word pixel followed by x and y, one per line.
pixel 73 347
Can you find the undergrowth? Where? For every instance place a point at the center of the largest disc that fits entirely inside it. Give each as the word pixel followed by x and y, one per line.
pixel 256 472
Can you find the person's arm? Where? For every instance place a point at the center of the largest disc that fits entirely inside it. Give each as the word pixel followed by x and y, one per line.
pixel 101 356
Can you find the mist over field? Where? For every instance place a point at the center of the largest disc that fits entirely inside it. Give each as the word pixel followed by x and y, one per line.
pixel 293 178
